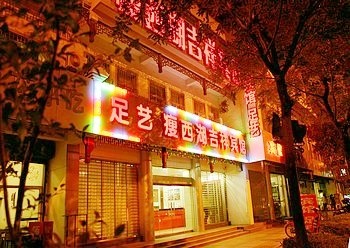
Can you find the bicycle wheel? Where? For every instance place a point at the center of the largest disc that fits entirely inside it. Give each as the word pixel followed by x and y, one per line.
pixel 289 230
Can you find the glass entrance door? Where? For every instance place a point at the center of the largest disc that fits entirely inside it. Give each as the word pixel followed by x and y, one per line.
pixel 173 210
pixel 279 195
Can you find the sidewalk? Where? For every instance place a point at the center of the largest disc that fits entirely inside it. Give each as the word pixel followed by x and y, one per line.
pixel 267 238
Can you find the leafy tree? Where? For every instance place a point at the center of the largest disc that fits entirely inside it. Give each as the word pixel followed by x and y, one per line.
pixel 261 37
pixel 322 82
pixel 36 38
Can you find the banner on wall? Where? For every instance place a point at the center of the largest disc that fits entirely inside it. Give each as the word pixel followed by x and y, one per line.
pixel 124 115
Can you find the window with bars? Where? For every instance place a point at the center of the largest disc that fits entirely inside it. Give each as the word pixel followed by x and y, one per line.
pixel 213 113
pixel 199 108
pixel 157 93
pixel 126 79
pixel 177 99
pixel 109 190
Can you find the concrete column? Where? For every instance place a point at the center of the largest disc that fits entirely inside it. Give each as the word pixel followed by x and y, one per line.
pixel 250 211
pixel 146 197
pixel 72 179
pixel 196 174
pixel 72 191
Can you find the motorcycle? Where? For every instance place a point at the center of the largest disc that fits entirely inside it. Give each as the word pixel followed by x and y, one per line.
pixel 344 209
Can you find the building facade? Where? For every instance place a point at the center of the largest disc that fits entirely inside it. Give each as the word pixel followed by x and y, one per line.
pixel 161 149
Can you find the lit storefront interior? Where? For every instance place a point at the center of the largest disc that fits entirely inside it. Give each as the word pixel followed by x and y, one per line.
pixel 173 201
pixel 279 196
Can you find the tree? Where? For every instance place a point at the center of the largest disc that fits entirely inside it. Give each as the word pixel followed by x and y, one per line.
pixel 260 35
pixel 323 84
pixel 36 38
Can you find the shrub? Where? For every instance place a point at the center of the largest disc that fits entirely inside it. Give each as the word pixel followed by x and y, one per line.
pixel 320 240
pixel 335 233
pixel 339 225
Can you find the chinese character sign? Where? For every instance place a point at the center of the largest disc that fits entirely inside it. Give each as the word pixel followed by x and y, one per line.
pixel 309 203
pixel 124 115
pixel 196 134
pixel 252 113
pixel 184 37
pixel 274 148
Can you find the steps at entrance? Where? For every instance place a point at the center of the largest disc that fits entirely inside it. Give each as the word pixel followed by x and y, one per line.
pixel 200 239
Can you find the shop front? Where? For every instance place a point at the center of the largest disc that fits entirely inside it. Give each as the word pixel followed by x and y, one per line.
pixel 269 183
pixel 102 192
pixel 173 197
pixel 279 195
pixel 188 197
pixel 191 164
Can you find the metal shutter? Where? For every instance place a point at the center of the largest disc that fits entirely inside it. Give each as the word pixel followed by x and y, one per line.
pixel 214 198
pixel 109 190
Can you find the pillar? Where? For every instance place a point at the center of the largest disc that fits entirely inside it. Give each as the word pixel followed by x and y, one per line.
pixel 196 173
pixel 146 197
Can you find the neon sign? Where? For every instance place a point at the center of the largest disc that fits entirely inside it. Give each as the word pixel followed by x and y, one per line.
pixel 184 37
pixel 201 135
pixel 124 115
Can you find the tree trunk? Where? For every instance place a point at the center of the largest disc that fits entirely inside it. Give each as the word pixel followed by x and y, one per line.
pixel 3 163
pixel 35 130
pixel 291 166
pixel 346 141
pixel 29 147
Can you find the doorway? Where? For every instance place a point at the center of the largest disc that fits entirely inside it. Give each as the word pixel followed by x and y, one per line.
pixel 173 209
pixel 279 195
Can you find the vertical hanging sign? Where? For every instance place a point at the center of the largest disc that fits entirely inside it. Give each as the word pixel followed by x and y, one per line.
pixel 252 113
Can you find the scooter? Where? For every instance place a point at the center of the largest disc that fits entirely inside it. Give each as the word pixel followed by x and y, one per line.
pixel 345 208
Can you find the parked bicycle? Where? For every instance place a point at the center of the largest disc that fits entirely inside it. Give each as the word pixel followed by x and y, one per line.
pixel 289 227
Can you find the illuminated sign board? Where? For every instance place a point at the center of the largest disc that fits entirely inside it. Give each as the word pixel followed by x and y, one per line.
pixel 185 34
pixel 252 113
pixel 124 115
pixel 274 148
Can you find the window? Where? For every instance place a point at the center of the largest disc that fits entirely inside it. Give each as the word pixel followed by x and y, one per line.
pixel 177 99
pixel 199 108
pixel 213 114
pixel 157 93
pixel 126 79
pixel 32 191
